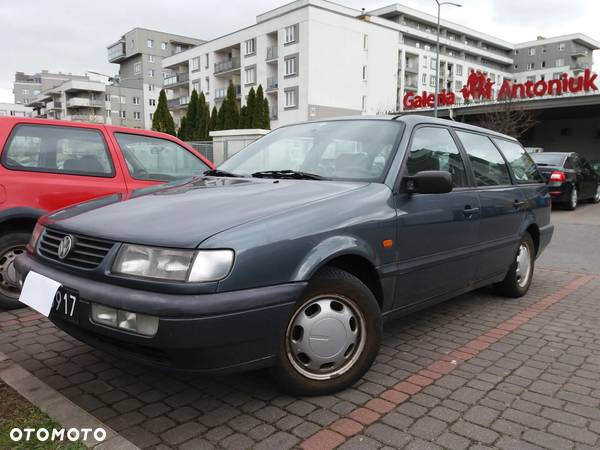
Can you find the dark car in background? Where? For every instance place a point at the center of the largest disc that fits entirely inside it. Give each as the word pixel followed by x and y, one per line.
pixel 570 178
pixel 294 250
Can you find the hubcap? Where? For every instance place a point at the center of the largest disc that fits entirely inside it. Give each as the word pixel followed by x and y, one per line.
pixel 597 196
pixel 574 198
pixel 325 337
pixel 523 265
pixel 8 274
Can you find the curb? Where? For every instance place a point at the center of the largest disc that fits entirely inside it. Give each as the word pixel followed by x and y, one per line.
pixel 58 407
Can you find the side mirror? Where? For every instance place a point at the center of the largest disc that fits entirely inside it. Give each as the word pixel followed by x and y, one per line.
pixel 430 182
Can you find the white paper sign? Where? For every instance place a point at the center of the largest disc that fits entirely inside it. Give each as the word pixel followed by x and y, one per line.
pixel 38 292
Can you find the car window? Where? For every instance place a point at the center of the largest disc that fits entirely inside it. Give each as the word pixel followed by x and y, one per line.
pixel 548 159
pixel 523 167
pixel 339 149
pixel 433 148
pixel 157 159
pixel 489 167
pixel 569 164
pixel 55 149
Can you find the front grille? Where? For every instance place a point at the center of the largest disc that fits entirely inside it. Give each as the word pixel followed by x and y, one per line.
pixel 86 253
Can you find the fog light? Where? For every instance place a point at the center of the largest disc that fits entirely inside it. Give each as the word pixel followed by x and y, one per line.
pixel 104 315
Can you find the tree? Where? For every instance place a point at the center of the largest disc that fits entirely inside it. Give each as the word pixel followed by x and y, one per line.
pixel 250 108
pixel 214 119
pixel 183 128
pixel 231 115
pixel 243 117
pixel 266 123
pixel 162 120
pixel 221 116
pixel 508 118
pixel 192 117
pixel 202 119
pixel 258 113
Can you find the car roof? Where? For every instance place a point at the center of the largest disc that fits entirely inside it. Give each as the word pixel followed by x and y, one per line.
pixel 417 119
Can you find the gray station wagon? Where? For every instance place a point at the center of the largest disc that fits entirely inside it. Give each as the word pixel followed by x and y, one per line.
pixel 293 251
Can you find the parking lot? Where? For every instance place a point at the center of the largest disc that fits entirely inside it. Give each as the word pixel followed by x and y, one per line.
pixel 479 371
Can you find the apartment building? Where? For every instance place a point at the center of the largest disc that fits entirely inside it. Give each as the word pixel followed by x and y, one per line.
pixel 318 59
pixel 14 110
pixel 28 86
pixel 86 100
pixel 139 53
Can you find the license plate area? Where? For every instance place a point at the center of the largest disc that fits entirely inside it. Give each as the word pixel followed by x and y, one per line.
pixel 66 304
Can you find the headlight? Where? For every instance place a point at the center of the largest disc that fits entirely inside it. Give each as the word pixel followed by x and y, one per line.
pixel 35 236
pixel 172 264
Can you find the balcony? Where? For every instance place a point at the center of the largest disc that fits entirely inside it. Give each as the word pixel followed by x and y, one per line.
pixel 91 118
pixel 116 52
pixel 81 102
pixel 179 102
pixel 272 84
pixel 579 67
pixel 220 94
pixel 227 66
pixel 413 68
pixel 176 80
pixel 54 105
pixel 272 53
pixel 579 52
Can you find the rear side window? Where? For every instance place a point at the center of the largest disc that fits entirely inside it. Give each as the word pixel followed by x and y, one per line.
pixel 523 167
pixel 150 158
pixel 488 165
pixel 433 148
pixel 55 149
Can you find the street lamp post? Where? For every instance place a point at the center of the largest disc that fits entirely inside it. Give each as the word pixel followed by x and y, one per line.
pixel 437 55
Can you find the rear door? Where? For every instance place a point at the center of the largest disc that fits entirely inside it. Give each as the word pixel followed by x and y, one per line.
pixel 590 177
pixel 149 160
pixel 437 233
pixel 502 205
pixel 50 166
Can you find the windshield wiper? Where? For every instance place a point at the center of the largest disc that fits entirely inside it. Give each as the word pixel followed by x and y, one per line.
pixel 220 173
pixel 289 174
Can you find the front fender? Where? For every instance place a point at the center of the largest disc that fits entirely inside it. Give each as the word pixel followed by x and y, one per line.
pixel 21 212
pixel 329 249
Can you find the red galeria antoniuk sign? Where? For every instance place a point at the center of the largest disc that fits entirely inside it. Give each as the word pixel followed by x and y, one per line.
pixel 479 87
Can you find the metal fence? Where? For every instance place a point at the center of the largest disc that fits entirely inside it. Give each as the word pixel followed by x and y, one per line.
pixel 204 147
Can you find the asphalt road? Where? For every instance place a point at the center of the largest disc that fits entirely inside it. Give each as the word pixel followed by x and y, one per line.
pixel 575 246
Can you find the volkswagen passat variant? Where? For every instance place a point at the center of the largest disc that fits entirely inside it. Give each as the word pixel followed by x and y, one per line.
pixel 294 250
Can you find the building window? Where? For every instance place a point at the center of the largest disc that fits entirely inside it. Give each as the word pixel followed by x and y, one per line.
pixel 151 116
pixel 543 64
pixel 427 47
pixel 364 73
pixel 136 100
pixel 166 75
pixel 516 51
pixel 122 100
pixel 431 80
pixel 425 62
pixel 291 34
pixel 457 86
pixel 150 43
pixel 36 92
pixel 250 45
pixel 207 82
pixel 561 46
pixel 123 114
pixel 150 58
pixel 250 73
pixel 560 62
pixel 106 98
pixel 530 66
pixel 424 79
pixel 556 75
pixel 531 51
pixel 178 49
pixel 364 103
pixel 137 68
pixel 531 78
pixel 291 97
pixel 291 63
pixel 433 61
pixel 151 73
pixel 459 70
pixel 195 64
pixel 163 45
pixel 152 102
pixel 196 86
pixel 137 115
pixel 150 88
pixel 365 43
pixel 25 91
pixel 206 61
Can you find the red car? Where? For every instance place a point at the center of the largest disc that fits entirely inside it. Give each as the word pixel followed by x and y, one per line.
pixel 47 165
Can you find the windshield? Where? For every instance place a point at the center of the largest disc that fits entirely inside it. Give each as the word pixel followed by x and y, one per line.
pixel 343 149
pixel 548 159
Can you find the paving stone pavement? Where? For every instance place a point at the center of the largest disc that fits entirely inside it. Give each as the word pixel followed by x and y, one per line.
pixel 478 371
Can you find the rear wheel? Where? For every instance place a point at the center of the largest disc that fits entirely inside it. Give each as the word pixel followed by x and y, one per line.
pixel 331 338
pixel 596 197
pixel 573 199
pixel 519 276
pixel 11 246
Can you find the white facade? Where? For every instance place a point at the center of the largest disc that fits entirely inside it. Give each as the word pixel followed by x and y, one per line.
pixel 350 62
pixel 15 110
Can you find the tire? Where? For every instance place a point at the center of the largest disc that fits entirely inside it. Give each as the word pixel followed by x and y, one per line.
pixel 571 205
pixel 11 245
pixel 514 285
pixel 596 197
pixel 335 302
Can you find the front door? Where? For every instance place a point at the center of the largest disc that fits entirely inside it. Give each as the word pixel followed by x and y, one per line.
pixel 436 232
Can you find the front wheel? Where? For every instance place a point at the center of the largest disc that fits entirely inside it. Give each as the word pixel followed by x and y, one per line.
pixel 11 246
pixel 331 338
pixel 519 276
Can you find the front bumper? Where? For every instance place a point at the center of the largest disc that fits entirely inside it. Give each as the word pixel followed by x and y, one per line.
pixel 225 331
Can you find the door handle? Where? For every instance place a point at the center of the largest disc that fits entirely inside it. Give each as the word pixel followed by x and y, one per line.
pixel 469 212
pixel 518 203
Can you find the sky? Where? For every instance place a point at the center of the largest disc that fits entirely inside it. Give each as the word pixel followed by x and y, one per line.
pixel 72 35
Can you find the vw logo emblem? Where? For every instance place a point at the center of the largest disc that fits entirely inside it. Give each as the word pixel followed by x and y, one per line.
pixel 65 246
